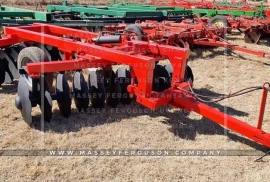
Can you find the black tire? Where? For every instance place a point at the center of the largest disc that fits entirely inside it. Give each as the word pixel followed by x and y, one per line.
pixel 136 29
pixel 219 18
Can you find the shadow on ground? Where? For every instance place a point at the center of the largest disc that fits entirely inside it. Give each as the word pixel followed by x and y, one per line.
pixel 181 125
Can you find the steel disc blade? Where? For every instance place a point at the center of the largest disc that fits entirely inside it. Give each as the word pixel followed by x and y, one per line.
pixel 10 55
pixel 114 90
pixel 46 109
pixel 80 91
pixel 97 89
pixel 169 69
pixel 26 107
pixel 63 95
pixel 189 74
pixel 61 55
pixel 49 47
pixel 55 54
pixel 183 44
pixel 161 80
pixel 252 37
pixel 124 78
pixel 5 67
pixel 2 71
pixel 14 54
pixel 242 30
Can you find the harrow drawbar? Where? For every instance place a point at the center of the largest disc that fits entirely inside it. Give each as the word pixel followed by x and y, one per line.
pixel 139 75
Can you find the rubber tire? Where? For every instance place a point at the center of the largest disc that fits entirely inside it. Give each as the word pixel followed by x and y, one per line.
pixel 35 55
pixel 221 18
pixel 137 29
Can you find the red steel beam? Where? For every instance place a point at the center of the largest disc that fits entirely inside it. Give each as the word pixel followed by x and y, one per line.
pixel 231 46
pixel 76 46
pixel 256 134
pixel 34 69
pixel 144 64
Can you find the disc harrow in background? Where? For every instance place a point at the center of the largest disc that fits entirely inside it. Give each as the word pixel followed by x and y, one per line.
pixel 252 37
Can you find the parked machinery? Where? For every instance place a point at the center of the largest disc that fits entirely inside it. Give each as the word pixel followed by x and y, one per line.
pixel 139 75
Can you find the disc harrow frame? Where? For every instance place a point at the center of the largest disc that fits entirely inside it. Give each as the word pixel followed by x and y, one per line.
pixel 236 7
pixel 254 22
pixel 185 34
pixel 105 51
pixel 252 27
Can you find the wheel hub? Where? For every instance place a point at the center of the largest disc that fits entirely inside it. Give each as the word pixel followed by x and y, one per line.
pixel 218 23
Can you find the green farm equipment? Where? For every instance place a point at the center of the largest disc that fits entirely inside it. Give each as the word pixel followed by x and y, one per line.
pixel 135 10
pixel 127 14
pixel 76 15
pixel 10 16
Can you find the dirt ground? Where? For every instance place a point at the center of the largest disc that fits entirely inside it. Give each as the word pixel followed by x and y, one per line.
pixel 214 74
